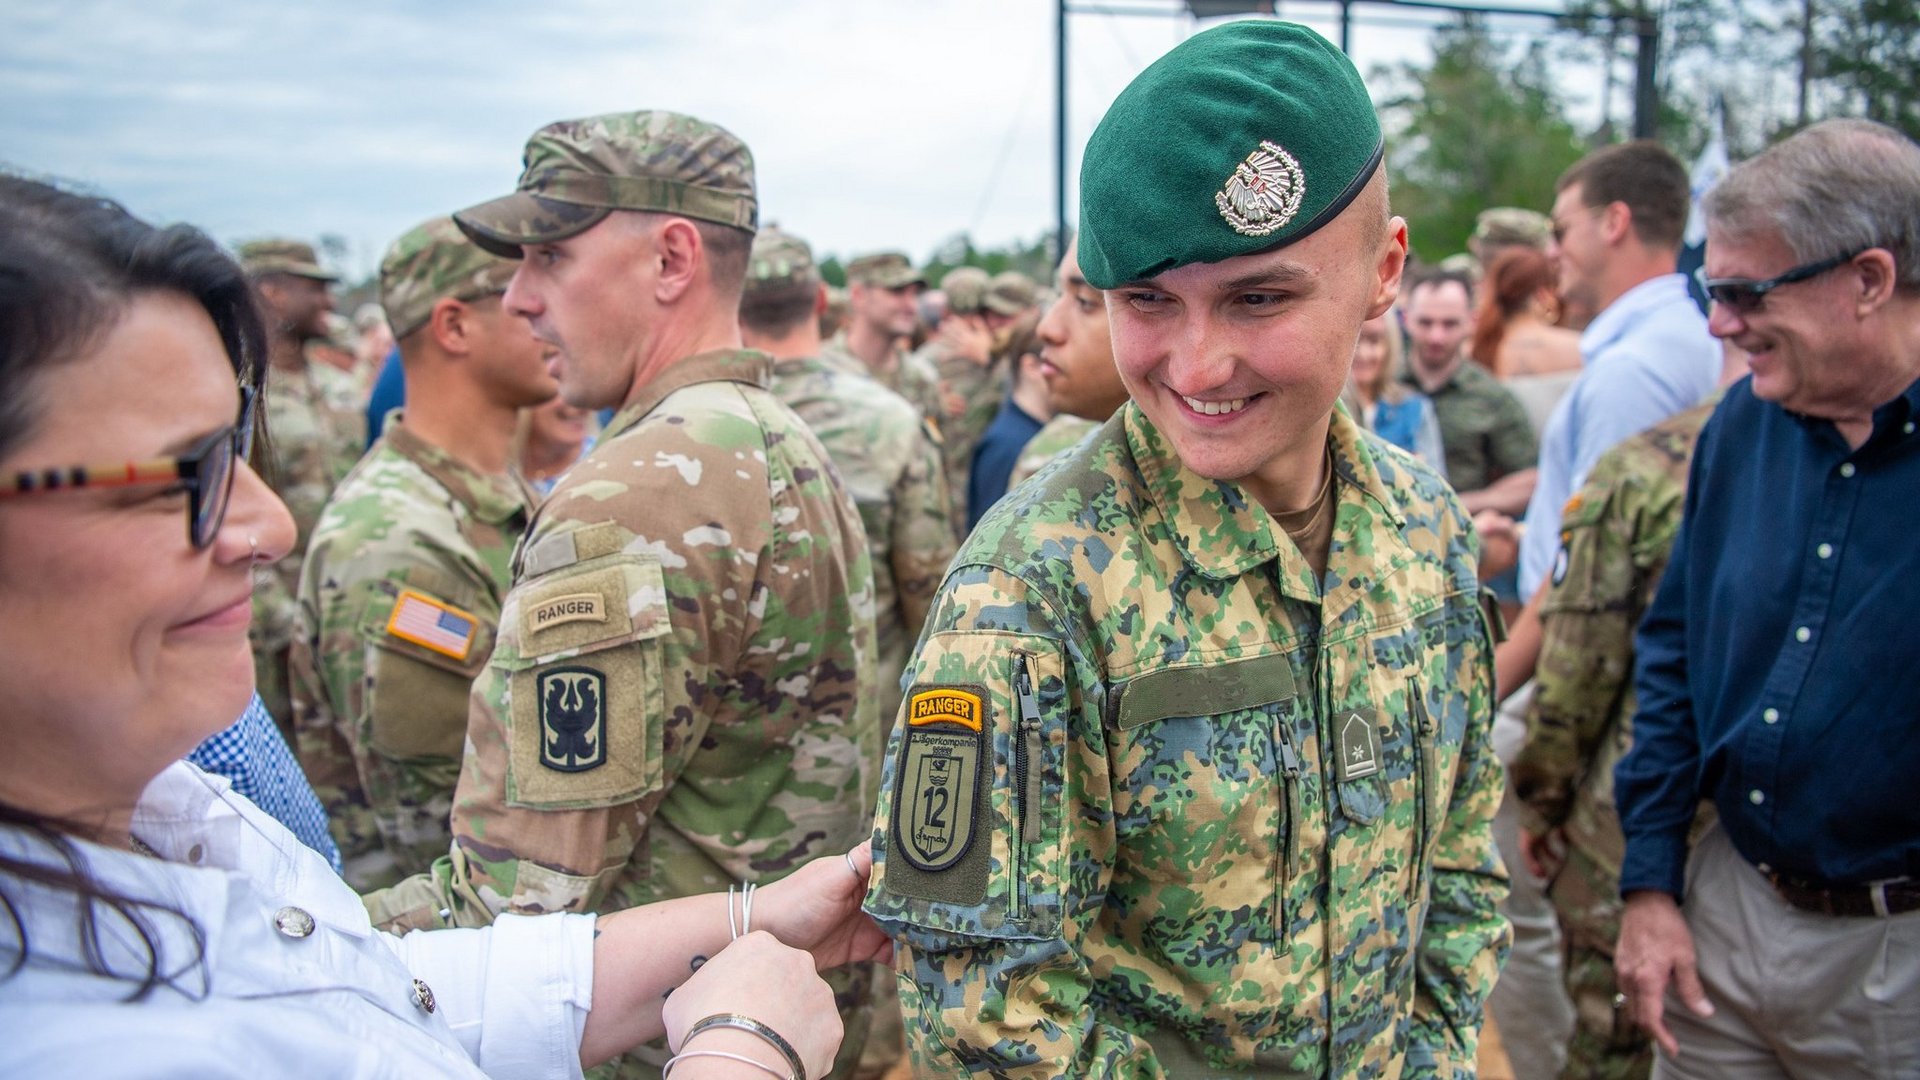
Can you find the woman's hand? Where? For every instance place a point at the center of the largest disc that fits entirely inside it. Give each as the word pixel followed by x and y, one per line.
pixel 817 908
pixel 756 976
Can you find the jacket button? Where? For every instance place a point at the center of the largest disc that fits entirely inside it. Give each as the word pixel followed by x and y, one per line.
pixel 422 996
pixel 293 922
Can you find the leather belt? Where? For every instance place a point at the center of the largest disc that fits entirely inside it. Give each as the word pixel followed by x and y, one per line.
pixel 1896 896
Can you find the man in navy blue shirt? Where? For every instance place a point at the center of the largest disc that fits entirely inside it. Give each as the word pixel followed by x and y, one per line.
pixel 1777 665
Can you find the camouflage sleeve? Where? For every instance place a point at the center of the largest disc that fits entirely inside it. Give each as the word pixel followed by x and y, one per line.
pixel 1464 937
pixel 680 691
pixel 994 843
pixel 1586 651
pixel 923 542
pixel 323 752
pixel 402 695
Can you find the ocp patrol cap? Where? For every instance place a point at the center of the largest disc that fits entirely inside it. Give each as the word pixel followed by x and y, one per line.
pixel 431 261
pixel 279 255
pixel 886 269
pixel 576 172
pixel 1242 139
pixel 779 259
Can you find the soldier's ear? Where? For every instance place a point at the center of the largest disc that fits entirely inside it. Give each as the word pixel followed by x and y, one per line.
pixel 682 258
pixel 820 300
pixel 450 323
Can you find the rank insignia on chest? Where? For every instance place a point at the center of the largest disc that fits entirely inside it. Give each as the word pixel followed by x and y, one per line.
pixel 937 790
pixel 573 718
pixel 1358 743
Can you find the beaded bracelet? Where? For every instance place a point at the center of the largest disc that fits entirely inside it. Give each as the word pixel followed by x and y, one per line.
pixel 749 1024
pixel 667 1070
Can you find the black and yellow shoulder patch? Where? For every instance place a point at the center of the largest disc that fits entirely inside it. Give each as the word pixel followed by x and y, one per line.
pixel 573 718
pixel 938 791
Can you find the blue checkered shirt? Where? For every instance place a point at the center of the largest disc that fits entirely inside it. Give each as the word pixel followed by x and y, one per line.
pixel 255 759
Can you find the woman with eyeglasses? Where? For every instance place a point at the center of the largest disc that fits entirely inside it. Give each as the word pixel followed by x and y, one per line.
pixel 151 921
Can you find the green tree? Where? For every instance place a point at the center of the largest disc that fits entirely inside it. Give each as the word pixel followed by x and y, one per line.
pixel 1478 128
pixel 1866 52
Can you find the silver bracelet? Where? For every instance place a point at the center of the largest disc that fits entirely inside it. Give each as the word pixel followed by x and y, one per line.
pixel 749 1024
pixel 667 1070
pixel 744 925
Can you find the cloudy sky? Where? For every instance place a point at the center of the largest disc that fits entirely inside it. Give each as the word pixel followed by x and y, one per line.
pixel 875 123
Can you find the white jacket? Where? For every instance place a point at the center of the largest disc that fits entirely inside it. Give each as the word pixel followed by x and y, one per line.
pixel 338 1001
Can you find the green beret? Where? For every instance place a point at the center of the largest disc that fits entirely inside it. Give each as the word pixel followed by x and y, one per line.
pixel 434 260
pixel 1244 138
pixel 576 172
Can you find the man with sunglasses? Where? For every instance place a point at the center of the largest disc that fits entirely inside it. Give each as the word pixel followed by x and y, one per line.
pixel 1774 668
pixel 313 411
pixel 1617 223
pixel 407 567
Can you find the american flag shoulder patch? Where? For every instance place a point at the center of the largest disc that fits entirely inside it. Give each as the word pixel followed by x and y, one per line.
pixel 431 624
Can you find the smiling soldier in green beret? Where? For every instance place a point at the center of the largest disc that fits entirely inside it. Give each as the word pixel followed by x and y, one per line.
pixel 1193 774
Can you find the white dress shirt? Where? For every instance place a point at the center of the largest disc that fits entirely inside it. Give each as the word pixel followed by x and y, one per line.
pixel 294 980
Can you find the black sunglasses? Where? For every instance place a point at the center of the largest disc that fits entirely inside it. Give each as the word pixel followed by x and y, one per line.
pixel 205 470
pixel 1746 295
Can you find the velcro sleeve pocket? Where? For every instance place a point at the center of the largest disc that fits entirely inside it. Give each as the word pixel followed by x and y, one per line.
pixel 416 694
pixel 582 652
pixel 970 834
pixel 1582 577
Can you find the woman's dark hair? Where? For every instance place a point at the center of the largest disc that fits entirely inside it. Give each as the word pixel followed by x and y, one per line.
pixel 1515 278
pixel 70 263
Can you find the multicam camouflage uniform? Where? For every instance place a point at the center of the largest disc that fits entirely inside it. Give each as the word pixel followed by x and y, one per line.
pixel 907 374
pixel 682 692
pixel 317 427
pixel 967 395
pixel 1616 536
pixel 1158 806
pixel 404 579
pixel 1061 434
pixel 891 467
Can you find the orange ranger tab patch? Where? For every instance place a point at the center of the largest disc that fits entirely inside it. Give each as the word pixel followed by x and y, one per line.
pixel 944 706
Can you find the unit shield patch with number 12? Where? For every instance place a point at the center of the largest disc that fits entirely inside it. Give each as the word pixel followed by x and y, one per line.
pixel 938 785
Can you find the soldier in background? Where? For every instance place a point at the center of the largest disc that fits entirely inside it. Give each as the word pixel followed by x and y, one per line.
pixel 682 693
pixel 886 456
pixel 890 463
pixel 1076 359
pixel 1193 776
pixel 883 290
pixel 406 570
pixel 969 380
pixel 313 412
pixel 1616 536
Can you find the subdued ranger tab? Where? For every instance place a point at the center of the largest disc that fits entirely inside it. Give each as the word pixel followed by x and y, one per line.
pixel 576 607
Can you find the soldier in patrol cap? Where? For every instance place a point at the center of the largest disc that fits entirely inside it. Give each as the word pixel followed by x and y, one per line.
pixel 881 315
pixel 1193 775
pixel 682 690
pixel 407 567
pixel 891 466
pixel 314 412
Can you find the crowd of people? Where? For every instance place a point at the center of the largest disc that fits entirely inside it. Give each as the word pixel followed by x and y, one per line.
pixel 1247 654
